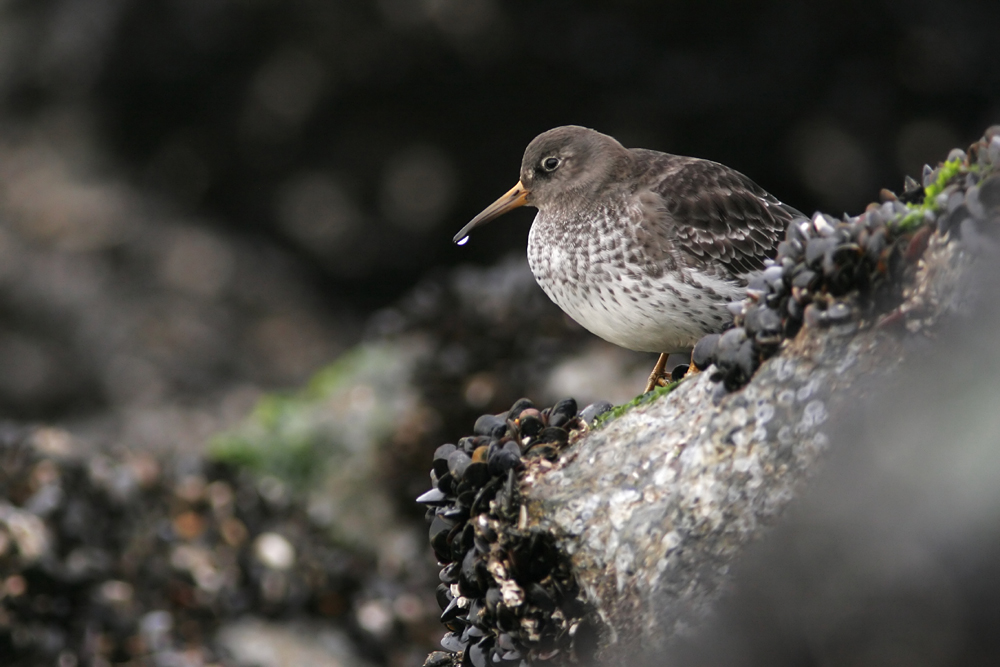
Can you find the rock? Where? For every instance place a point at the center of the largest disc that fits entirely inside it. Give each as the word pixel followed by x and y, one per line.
pixel 652 511
pixel 258 643
pixel 274 551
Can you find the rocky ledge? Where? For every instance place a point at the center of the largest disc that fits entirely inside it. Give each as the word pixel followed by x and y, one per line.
pixel 564 536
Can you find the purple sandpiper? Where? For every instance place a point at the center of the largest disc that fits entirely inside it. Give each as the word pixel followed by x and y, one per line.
pixel 642 248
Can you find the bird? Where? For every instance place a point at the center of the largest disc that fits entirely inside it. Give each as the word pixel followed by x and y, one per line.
pixel 642 248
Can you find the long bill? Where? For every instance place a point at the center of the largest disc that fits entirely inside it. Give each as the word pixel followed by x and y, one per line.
pixel 517 196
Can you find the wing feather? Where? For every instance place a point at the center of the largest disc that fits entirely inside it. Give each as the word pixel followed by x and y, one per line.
pixel 716 218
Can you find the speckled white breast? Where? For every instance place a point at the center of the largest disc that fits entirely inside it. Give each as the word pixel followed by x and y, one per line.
pixel 590 276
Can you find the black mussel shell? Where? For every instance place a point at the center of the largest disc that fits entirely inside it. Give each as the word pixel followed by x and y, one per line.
pixel 704 351
pixel 531 426
pixel 562 412
pixel 492 426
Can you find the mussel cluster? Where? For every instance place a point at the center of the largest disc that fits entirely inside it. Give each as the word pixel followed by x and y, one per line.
pixel 830 272
pixel 137 560
pixel 508 596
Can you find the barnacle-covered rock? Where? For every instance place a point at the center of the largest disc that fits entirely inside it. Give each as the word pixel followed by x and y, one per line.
pixel 649 512
pixel 508 594
pixel 825 263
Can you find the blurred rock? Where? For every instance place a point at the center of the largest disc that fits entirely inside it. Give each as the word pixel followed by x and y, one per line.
pixel 418 188
pixel 274 551
pixel 832 163
pixel 121 317
pixel 257 643
pixel 919 139
pixel 153 565
pixel 599 372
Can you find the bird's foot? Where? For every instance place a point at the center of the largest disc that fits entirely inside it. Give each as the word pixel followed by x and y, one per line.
pixel 656 377
pixel 660 378
pixel 692 368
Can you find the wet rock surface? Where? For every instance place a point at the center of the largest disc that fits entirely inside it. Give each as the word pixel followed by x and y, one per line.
pixel 892 553
pixel 654 508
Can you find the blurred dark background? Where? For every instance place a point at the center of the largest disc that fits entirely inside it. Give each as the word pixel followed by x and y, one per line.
pixel 258 177
pixel 205 200
pixel 358 134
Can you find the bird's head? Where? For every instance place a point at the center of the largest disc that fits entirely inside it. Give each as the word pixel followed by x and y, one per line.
pixel 564 164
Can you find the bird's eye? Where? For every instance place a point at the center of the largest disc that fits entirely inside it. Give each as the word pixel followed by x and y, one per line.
pixel 551 163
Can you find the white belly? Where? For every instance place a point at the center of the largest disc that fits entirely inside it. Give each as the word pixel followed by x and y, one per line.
pixel 627 308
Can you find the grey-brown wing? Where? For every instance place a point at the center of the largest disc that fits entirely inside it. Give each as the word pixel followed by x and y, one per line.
pixel 717 217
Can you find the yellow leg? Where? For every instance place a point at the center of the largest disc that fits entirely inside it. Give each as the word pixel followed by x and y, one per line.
pixel 692 369
pixel 654 377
